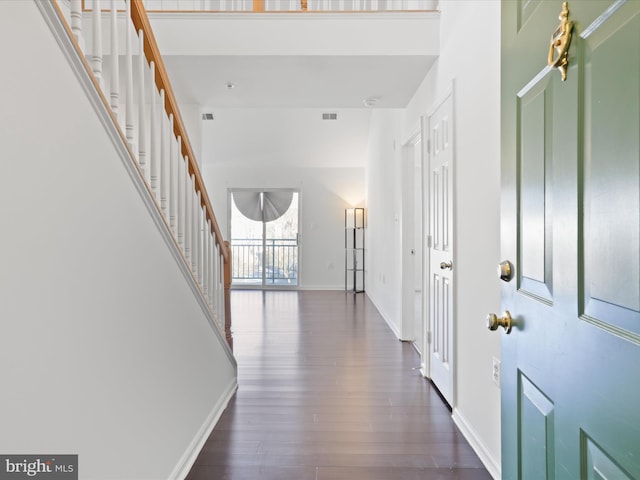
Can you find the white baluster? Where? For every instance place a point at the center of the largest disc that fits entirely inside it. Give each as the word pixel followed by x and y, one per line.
pixel 115 67
pixel 173 162
pixel 181 198
pixel 205 251
pixel 214 286
pixel 221 294
pixel 220 284
pixel 153 134
pixel 196 238
pixel 212 275
pixel 96 54
pixel 214 263
pixel 212 271
pixel 164 157
pixel 128 73
pixel 76 22
pixel 142 132
pixel 205 259
pixel 188 220
pixel 194 226
pixel 201 245
pixel 216 269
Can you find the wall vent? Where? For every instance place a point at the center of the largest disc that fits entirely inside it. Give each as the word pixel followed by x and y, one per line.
pixel 329 116
pixel 207 116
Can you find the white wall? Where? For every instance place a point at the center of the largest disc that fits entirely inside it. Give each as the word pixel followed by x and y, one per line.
pixel 328 34
pixel 324 194
pixel 191 114
pixel 384 178
pixel 293 148
pixel 285 137
pixel 104 348
pixel 470 49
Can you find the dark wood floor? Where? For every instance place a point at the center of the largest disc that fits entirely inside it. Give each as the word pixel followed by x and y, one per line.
pixel 327 392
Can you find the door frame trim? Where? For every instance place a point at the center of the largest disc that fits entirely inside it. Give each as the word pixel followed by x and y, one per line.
pixel 407 321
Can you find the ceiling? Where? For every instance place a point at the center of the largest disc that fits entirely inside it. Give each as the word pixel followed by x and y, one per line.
pixel 296 81
pixel 350 58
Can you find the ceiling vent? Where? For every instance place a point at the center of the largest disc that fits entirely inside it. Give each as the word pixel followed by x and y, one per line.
pixel 207 116
pixel 329 116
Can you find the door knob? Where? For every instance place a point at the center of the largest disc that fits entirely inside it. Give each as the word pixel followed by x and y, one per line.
pixel 446 265
pixel 493 321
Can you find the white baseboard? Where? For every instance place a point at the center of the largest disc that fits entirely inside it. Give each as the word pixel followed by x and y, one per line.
pixel 190 455
pixel 393 327
pixel 488 460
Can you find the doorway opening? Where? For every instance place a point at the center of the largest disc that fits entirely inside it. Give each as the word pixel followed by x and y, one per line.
pixel 264 238
pixel 413 318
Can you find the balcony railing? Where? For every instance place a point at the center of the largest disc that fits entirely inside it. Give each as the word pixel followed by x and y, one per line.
pixel 275 261
pixel 289 5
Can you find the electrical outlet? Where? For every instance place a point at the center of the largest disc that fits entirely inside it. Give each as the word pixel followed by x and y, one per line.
pixel 495 371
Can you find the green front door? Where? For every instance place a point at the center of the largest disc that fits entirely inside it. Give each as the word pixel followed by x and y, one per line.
pixel 570 227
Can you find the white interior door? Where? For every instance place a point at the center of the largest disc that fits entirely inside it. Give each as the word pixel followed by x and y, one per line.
pixel 441 262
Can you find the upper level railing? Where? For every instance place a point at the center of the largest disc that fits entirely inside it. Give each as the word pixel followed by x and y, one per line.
pixel 150 123
pixel 260 6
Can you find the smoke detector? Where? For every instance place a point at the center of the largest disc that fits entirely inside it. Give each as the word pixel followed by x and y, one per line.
pixel 371 101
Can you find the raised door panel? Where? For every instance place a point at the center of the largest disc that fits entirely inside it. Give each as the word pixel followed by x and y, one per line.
pixel 610 266
pixel 536 432
pixel 534 115
pixel 597 464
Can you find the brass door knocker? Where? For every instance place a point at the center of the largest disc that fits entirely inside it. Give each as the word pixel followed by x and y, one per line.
pixel 560 42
